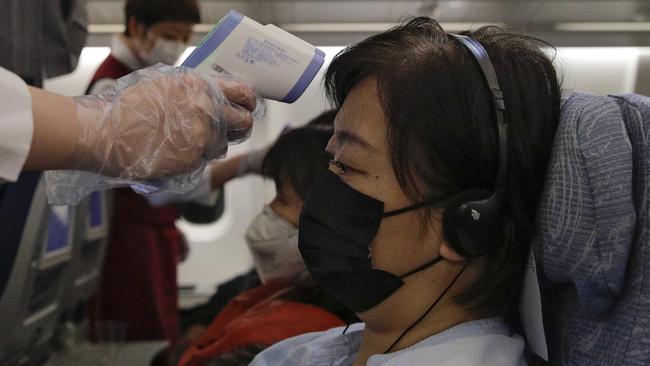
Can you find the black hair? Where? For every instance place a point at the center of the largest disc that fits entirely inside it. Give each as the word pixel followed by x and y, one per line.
pixel 441 127
pixel 324 120
pixel 150 12
pixel 298 155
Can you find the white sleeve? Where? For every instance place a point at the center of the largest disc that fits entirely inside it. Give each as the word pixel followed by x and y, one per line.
pixel 16 125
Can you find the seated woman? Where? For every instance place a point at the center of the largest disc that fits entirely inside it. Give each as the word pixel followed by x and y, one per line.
pixel 423 223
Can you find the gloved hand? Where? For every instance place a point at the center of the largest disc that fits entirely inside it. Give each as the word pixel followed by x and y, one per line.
pixel 159 122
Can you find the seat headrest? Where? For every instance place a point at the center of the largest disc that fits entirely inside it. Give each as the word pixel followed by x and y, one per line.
pixel 587 217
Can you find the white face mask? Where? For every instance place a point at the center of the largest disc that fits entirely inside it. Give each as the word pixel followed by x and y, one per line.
pixel 273 242
pixel 164 51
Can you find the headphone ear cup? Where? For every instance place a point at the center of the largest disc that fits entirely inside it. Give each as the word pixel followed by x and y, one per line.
pixel 471 222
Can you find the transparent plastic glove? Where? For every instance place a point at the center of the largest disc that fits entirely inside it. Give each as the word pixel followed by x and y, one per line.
pixel 156 130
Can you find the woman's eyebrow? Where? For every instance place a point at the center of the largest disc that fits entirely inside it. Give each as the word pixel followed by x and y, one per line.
pixel 351 137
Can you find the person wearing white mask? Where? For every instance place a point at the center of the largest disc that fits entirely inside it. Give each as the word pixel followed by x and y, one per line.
pixel 156 31
pixel 288 301
pixel 292 162
pixel 272 236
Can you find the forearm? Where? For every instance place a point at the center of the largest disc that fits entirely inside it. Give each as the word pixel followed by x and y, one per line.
pixel 55 131
pixel 225 170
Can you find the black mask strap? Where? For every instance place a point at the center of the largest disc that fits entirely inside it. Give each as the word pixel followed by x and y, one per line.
pixel 430 307
pixel 422 267
pixel 346 328
pixel 407 208
pixel 434 202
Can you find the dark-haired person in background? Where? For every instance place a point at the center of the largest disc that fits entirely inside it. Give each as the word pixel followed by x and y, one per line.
pixel 287 302
pixel 417 129
pixel 155 31
pixel 293 163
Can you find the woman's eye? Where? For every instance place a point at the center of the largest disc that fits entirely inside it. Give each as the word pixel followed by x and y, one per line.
pixel 343 168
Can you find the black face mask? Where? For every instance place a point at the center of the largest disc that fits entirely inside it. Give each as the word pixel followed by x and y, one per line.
pixel 337 224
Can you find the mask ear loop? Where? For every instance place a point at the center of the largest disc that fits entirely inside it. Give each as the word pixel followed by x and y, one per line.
pixel 422 267
pixel 346 328
pixel 432 202
pixel 430 307
pixel 349 321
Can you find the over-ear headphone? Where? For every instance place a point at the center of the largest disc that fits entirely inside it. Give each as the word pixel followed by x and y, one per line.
pixel 473 220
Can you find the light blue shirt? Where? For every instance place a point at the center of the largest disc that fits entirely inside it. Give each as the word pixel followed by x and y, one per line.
pixel 479 342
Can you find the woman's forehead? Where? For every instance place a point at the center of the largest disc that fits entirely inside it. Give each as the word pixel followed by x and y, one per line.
pixel 361 117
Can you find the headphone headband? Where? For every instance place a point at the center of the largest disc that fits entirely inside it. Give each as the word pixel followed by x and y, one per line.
pixel 473 220
pixel 490 76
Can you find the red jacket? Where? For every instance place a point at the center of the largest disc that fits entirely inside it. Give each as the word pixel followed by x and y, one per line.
pixel 258 316
pixel 138 285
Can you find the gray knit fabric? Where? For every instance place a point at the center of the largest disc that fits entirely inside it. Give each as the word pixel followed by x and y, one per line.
pixel 592 251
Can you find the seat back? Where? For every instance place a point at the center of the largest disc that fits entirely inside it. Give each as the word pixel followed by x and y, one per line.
pixel 15 202
pixel 92 215
pixel 31 302
pixel 592 249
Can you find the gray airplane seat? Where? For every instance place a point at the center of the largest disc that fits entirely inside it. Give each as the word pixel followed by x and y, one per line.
pixel 31 302
pixel 593 251
pixel 89 252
